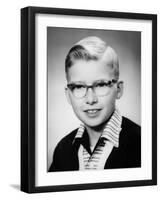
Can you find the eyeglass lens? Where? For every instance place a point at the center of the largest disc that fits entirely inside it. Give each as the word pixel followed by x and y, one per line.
pixel 100 88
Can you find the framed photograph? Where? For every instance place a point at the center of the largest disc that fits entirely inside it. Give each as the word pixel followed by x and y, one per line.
pixel 88 99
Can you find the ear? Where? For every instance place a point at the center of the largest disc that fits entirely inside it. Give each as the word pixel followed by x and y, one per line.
pixel 67 95
pixel 120 87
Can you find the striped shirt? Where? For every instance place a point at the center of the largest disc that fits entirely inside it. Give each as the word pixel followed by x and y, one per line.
pixel 96 159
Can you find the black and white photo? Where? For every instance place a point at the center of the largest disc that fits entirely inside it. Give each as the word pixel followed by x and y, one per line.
pixel 93 92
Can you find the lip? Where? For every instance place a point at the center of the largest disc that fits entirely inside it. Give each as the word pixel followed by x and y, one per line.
pixel 92 112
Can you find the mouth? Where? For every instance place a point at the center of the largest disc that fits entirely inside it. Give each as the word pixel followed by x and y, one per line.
pixel 92 112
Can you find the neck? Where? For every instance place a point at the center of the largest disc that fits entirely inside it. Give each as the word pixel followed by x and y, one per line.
pixel 94 135
pixel 95 132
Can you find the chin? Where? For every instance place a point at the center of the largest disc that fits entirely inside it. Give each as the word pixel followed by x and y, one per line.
pixel 97 124
pixel 99 121
pixel 93 124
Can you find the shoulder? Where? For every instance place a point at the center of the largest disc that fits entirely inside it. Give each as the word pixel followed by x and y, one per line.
pixel 132 126
pixel 62 156
pixel 130 143
pixel 67 141
pixel 130 130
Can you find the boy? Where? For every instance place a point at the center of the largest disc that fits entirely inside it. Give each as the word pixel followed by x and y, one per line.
pixel 105 139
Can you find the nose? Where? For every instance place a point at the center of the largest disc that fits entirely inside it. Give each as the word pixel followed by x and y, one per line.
pixel 91 97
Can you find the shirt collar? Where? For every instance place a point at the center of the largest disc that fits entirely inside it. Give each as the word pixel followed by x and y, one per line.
pixel 111 131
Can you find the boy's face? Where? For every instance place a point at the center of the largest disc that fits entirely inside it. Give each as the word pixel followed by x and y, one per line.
pixel 92 110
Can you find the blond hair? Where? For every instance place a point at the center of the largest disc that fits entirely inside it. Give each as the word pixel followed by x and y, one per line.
pixel 93 48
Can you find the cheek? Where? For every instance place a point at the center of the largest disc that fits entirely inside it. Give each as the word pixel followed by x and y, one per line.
pixel 76 104
pixel 110 99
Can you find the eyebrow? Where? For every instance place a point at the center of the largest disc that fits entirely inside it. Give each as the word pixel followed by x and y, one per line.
pixel 81 82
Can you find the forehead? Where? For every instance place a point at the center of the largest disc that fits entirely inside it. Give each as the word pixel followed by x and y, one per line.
pixel 89 71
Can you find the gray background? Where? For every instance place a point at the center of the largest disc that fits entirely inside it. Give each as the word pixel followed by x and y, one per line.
pixel 127 44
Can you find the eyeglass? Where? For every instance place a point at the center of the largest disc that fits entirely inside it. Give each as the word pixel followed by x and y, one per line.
pixel 101 88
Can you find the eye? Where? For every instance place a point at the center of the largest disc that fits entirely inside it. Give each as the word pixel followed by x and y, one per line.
pixel 76 86
pixel 79 87
pixel 103 84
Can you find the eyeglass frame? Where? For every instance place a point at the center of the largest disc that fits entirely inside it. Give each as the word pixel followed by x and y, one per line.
pixel 92 86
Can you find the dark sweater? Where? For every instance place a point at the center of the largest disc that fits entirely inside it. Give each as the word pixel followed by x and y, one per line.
pixel 127 155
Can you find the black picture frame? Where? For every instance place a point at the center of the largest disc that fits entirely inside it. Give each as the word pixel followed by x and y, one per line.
pixel 28 95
